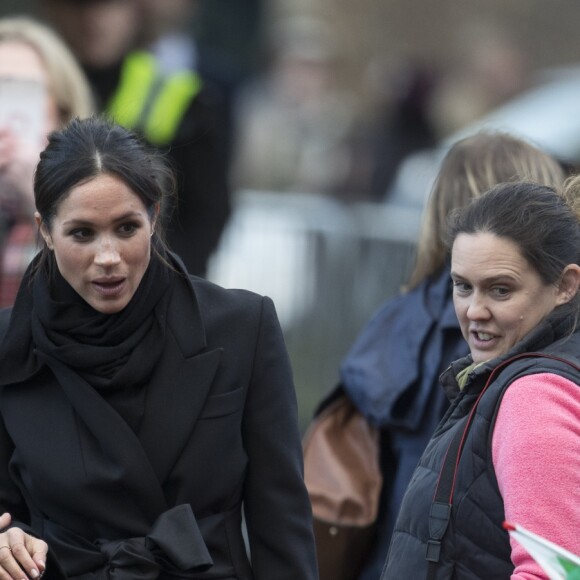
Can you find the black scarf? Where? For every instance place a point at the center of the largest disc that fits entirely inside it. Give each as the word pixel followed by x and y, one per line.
pixel 109 351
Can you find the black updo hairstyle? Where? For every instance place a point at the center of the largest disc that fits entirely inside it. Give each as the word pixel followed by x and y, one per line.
pixel 86 148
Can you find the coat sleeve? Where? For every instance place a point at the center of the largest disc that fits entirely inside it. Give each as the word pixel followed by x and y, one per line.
pixel 11 500
pixel 276 503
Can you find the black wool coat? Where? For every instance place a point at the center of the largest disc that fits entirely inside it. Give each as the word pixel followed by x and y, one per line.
pixel 218 432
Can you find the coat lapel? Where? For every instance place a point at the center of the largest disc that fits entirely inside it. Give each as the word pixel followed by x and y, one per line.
pixel 123 454
pixel 180 385
pixel 175 397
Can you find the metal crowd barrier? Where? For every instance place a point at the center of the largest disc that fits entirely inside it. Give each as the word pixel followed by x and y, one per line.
pixel 326 265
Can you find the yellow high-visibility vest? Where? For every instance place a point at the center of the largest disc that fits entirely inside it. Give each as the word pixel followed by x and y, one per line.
pixel 149 101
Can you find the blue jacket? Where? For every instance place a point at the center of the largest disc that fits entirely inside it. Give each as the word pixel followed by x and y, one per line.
pixel 391 374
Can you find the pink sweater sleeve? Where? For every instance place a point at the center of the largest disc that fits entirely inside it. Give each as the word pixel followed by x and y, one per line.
pixel 536 456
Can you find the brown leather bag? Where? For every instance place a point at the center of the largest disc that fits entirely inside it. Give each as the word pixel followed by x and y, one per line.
pixel 344 480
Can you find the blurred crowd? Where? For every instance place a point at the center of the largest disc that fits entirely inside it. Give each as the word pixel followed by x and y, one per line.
pixel 301 126
pixel 241 98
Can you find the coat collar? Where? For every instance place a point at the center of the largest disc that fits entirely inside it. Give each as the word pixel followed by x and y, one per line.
pixel 184 317
pixel 181 382
pixel 554 327
pixel 176 394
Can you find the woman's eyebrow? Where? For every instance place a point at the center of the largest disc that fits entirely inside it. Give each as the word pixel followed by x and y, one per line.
pixel 83 222
pixel 487 280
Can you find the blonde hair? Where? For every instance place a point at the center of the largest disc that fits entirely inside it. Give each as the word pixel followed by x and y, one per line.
pixel 472 166
pixel 67 83
pixel 571 193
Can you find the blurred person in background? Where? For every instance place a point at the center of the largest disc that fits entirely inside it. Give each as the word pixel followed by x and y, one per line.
pixel 404 123
pixel 230 38
pixel 166 30
pixel 391 372
pixel 231 35
pixel 176 110
pixel 395 122
pixel 489 69
pixel 292 123
pixel 54 90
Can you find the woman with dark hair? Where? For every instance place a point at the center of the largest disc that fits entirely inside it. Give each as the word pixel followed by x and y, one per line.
pixel 391 372
pixel 509 446
pixel 141 408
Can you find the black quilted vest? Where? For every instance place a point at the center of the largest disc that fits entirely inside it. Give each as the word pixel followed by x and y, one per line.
pixel 475 546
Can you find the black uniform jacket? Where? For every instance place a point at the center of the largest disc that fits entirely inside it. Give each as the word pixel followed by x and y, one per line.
pixel 218 430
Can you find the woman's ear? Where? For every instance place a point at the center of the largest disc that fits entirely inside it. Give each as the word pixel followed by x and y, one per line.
pixel 43 230
pixel 569 284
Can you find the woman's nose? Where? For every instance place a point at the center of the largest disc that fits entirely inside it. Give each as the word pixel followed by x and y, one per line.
pixel 107 253
pixel 477 309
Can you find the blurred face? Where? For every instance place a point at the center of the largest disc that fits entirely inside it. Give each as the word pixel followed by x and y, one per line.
pixel 498 296
pixel 33 114
pixel 101 241
pixel 20 61
pixel 99 32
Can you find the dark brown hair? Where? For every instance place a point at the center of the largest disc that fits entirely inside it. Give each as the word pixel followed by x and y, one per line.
pixel 541 221
pixel 86 148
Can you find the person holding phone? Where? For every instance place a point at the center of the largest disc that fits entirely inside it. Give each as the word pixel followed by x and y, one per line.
pixel 41 88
